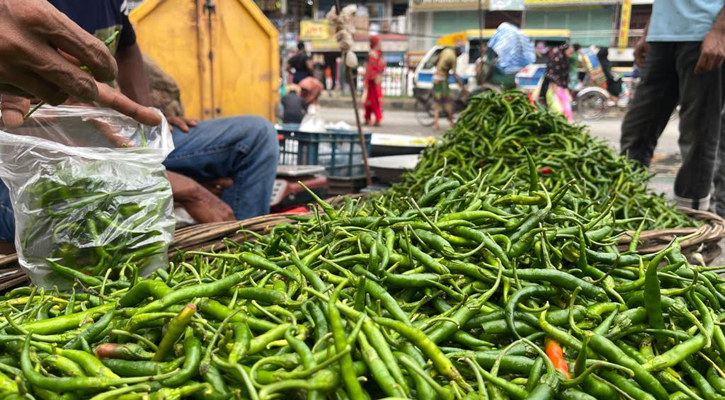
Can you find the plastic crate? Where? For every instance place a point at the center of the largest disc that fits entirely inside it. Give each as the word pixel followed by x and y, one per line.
pixel 337 150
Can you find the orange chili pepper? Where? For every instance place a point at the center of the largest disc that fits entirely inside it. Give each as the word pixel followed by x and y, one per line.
pixel 556 355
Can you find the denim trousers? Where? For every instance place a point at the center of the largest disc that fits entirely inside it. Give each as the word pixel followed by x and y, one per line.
pixel 244 149
pixel 669 78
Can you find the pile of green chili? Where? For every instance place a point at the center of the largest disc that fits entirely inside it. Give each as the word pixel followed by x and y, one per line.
pixel 493 134
pixel 465 291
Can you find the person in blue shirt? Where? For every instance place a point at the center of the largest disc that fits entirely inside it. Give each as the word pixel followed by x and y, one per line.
pixel 221 169
pixel 681 58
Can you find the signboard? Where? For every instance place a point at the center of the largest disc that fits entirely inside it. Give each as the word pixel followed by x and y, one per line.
pixel 568 2
pixel 624 23
pixel 444 5
pixel 505 5
pixel 314 30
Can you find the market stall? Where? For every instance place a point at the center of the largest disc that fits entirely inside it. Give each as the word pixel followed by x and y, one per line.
pixel 515 261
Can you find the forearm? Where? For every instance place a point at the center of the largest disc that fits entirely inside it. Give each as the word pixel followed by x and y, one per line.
pixel 719 25
pixel 132 79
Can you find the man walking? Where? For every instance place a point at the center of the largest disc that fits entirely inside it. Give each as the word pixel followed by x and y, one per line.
pixel 682 56
pixel 300 65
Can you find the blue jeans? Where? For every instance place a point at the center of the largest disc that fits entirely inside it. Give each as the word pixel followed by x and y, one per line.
pixel 245 149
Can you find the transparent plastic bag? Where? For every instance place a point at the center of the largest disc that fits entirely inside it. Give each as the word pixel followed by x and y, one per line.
pixel 89 192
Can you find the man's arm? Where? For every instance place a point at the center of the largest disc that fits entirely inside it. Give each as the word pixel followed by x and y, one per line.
pixel 132 79
pixel 712 52
pixel 641 49
pixel 310 66
pixel 30 64
pixel 201 204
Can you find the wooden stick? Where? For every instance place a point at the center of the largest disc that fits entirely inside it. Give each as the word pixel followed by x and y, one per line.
pixel 361 137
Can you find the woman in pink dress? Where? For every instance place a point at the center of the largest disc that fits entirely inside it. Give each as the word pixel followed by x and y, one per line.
pixel 372 88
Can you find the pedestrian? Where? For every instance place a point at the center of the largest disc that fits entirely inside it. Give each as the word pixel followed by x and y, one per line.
pixel 614 85
pixel 445 68
pixel 310 90
pixel 372 83
pixel 558 97
pixel 300 65
pixel 293 106
pixel 574 68
pixel 681 57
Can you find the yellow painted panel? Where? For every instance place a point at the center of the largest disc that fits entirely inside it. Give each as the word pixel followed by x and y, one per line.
pixel 166 31
pixel 246 62
pixel 242 79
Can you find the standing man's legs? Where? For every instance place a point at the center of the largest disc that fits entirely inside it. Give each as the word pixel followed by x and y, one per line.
pixel 655 99
pixel 718 194
pixel 700 121
pixel 245 149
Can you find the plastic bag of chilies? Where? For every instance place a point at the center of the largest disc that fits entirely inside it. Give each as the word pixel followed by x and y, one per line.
pixel 89 193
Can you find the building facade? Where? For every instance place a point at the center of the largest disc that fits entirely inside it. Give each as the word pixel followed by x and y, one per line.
pixel 591 22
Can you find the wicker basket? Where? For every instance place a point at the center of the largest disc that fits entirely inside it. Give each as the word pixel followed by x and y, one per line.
pixel 202 237
pixel 702 248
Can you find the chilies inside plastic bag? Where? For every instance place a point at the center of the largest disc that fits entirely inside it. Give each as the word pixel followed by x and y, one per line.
pixel 89 193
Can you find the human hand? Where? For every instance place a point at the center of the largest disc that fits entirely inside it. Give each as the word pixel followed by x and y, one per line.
pixel 217 186
pixel 182 123
pixel 199 202
pixel 32 34
pixel 13 108
pixel 640 52
pixel 712 52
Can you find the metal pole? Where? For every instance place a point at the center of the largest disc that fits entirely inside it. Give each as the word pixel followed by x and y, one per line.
pixel 348 74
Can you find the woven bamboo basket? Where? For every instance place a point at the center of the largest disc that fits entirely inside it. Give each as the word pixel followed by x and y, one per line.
pixel 700 249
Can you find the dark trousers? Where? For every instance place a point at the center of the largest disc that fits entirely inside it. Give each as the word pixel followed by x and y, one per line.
pixel 668 78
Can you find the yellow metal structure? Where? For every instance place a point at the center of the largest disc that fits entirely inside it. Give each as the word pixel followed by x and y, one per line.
pixel 473 34
pixel 223 54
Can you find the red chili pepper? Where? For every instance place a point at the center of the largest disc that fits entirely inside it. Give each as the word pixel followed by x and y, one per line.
pixel 545 170
pixel 556 355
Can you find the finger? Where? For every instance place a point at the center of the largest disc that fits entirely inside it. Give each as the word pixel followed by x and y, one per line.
pixel 178 123
pixel 117 101
pixel 225 182
pixel 69 57
pixel 181 123
pixel 13 109
pixel 719 59
pixel 111 134
pixel 90 51
pixel 191 122
pixel 54 68
pixel 33 84
pixel 702 63
pixel 13 91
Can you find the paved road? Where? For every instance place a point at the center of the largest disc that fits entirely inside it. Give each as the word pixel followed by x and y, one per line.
pixel 402 122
